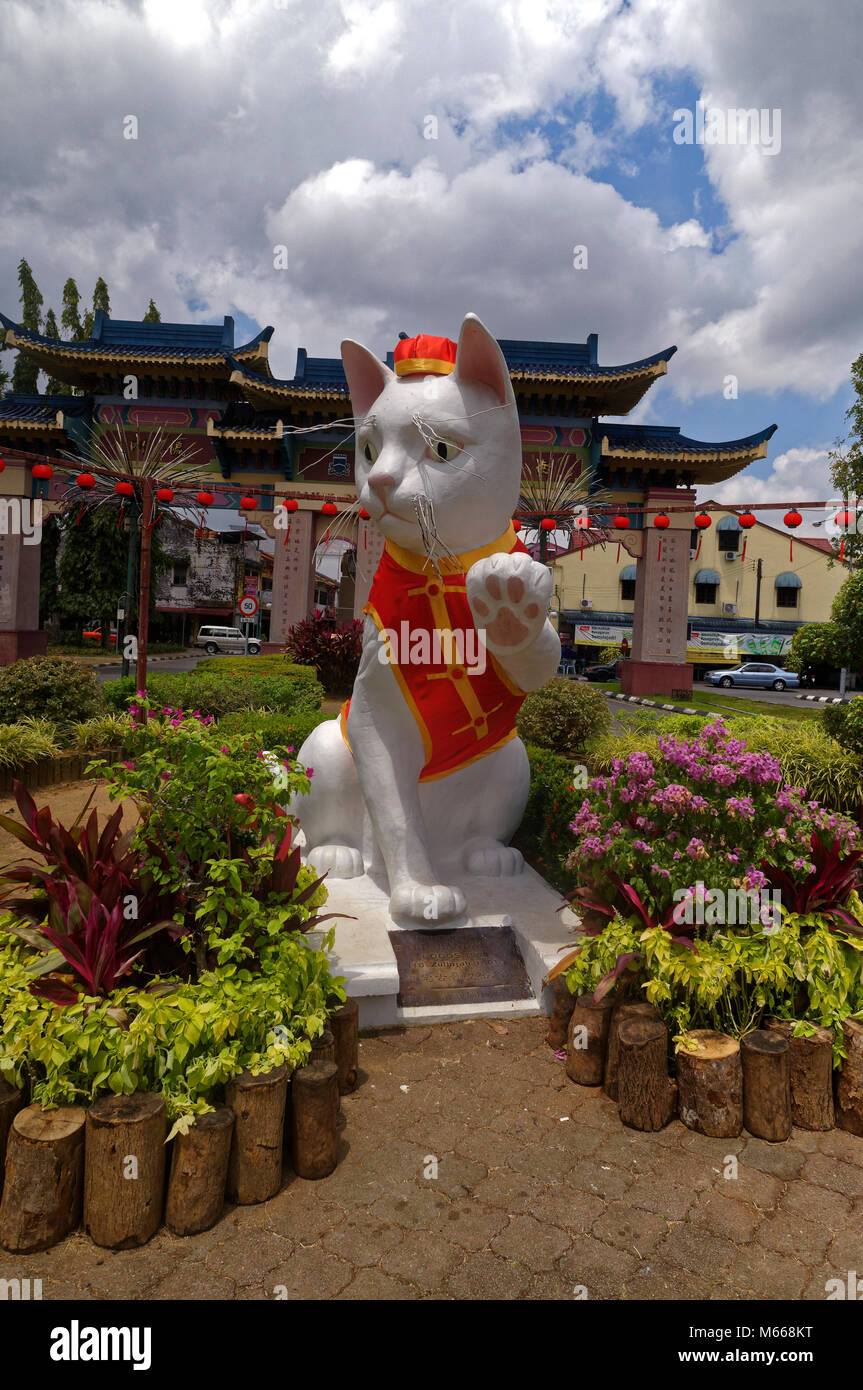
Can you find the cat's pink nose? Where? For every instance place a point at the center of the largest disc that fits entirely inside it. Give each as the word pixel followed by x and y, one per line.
pixel 379 484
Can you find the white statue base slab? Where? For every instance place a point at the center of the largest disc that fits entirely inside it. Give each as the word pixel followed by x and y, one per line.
pixel 364 955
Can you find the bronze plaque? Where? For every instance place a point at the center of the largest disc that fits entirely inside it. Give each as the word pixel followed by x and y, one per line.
pixel 467 965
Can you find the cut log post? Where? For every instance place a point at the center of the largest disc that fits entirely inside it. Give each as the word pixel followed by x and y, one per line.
pixel 345 1026
pixel 41 1200
pixel 624 1009
pixel 255 1166
pixel 124 1172
pixel 587 1040
pixel 323 1047
pixel 11 1101
pixel 849 1086
pixel 766 1060
pixel 314 1120
pixel 199 1173
pixel 647 1097
pixel 811 1060
pixel 710 1083
pixel 563 1003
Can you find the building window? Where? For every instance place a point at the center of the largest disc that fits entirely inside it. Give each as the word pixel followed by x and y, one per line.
pixel 181 573
pixel 693 538
pixel 705 593
pixel 786 598
pixel 627 589
pixel 729 540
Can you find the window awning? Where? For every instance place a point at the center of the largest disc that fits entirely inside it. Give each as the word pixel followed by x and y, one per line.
pixel 788 581
pixel 728 523
pixel 707 577
pixel 628 572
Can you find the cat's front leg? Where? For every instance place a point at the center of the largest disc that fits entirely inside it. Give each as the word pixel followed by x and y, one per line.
pixel 389 756
pixel 508 597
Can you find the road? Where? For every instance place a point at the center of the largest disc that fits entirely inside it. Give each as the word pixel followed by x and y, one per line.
pixel 154 663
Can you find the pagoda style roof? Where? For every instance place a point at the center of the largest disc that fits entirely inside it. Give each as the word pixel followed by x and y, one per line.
pixel 148 346
pixel 39 414
pixel 643 448
pixel 537 369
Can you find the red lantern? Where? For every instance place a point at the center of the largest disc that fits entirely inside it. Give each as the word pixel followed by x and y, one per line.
pixel 516 525
pixel 2 465
pixel 746 520
pixel 792 520
pixel 621 523
pixel 85 481
pixel 702 521
pixel 548 523
pixel 123 489
pixel 206 499
pixel 291 504
pixel 661 523
pixel 165 494
pixel 42 470
pixel 248 504
pixel 329 509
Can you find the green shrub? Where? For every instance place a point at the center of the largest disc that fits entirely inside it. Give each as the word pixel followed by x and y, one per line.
pixel 26 742
pixel 809 758
pixel 544 836
pixel 607 655
pixel 257 666
pixel 563 716
pixel 334 649
pixel 50 687
pixel 273 729
pixel 218 693
pixel 845 723
pixel 105 731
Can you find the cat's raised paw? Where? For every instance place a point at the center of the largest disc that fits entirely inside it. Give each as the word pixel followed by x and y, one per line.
pixel 339 861
pixel 427 904
pixel 508 596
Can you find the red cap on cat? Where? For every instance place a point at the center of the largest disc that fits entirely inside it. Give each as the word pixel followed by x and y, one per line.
pixel 423 354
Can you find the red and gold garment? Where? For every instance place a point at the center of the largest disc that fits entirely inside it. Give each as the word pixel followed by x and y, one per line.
pixel 462 715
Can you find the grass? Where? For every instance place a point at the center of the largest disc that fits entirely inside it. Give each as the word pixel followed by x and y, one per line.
pixel 728 704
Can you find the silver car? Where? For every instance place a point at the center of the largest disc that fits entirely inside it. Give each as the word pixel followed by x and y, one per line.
pixel 755 675
pixel 225 639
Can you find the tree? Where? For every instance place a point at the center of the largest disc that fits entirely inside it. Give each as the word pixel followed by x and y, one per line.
pixel 818 645
pixel 847 615
pixel 91 568
pixel 100 301
pixel 54 387
pixel 71 317
pixel 25 374
pixel 152 315
pixel 846 460
pixel 48 557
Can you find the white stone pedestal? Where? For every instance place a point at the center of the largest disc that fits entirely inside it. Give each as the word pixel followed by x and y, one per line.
pixel 365 957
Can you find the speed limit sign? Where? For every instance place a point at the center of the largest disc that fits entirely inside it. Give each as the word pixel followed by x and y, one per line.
pixel 248 606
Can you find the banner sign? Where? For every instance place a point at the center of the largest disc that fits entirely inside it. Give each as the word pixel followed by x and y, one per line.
pixel 744 644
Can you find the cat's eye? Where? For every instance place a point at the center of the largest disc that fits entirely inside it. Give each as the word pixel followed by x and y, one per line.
pixel 446 450
pixel 370 453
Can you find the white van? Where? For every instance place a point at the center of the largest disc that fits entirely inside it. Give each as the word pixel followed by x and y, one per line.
pixel 225 639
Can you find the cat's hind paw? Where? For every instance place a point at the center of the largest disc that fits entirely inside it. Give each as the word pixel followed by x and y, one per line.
pixel 427 904
pixel 339 861
pixel 492 858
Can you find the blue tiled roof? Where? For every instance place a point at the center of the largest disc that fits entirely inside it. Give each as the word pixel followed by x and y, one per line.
pixel 667 439
pixel 41 409
pixel 133 338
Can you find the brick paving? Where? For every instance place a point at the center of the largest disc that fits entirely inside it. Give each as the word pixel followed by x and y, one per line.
pixel 540 1191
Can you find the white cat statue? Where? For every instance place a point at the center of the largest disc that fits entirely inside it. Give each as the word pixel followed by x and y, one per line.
pixel 423 779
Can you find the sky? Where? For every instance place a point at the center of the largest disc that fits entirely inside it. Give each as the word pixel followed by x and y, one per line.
pixel 413 163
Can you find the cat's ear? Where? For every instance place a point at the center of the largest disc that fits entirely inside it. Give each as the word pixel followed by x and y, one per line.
pixel 480 360
pixel 367 375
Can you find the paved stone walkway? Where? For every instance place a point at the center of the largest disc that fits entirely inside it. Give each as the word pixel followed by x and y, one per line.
pixel 539 1191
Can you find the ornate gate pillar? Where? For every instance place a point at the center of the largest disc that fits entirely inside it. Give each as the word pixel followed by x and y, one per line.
pixel 658 665
pixel 20 551
pixel 293 578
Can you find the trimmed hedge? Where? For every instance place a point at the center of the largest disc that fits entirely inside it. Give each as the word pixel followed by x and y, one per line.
pixel 563 716
pixel 51 687
pixel 274 729
pixel 218 693
pixel 544 836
